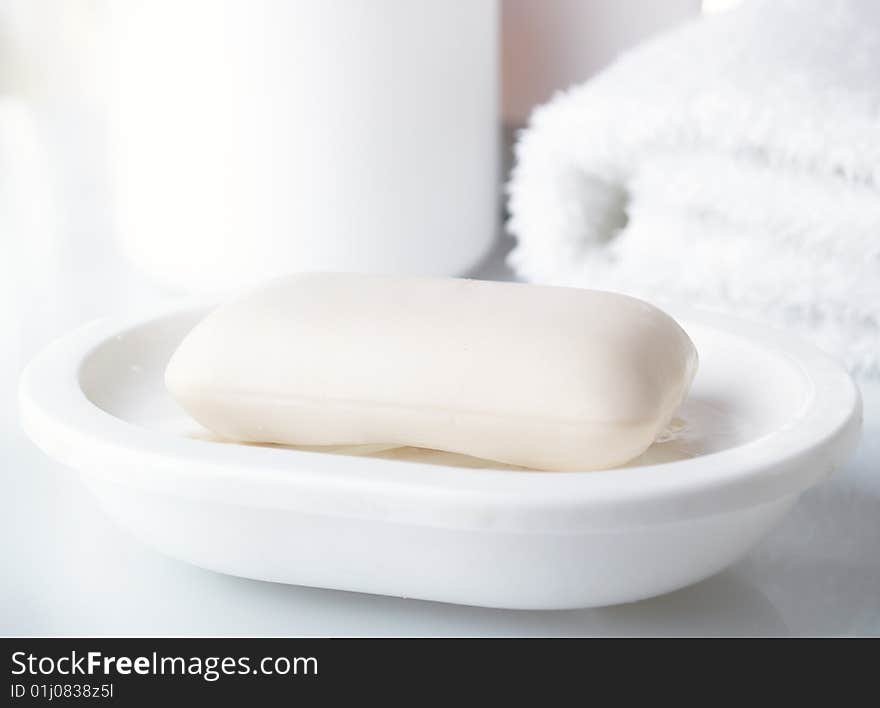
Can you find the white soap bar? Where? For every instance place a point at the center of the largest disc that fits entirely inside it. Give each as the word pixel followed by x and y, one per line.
pixel 543 377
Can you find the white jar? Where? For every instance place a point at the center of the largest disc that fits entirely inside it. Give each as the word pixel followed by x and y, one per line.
pixel 253 138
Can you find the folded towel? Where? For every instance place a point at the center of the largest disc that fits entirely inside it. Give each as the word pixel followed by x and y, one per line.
pixel 733 163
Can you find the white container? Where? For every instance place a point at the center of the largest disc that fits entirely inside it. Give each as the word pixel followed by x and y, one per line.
pixel 254 138
pixel 766 419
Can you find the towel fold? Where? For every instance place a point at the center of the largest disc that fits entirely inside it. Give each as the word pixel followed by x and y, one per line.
pixel 733 163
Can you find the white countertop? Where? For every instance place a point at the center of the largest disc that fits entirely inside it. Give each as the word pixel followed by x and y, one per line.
pixel 68 569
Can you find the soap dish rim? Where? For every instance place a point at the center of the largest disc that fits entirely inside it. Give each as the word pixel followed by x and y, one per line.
pixel 59 417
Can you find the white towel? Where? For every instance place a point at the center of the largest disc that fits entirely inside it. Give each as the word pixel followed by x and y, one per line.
pixel 733 163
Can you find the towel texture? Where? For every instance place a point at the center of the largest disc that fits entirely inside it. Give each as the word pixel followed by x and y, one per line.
pixel 733 163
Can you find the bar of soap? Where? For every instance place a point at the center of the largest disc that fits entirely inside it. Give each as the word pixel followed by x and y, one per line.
pixel 542 377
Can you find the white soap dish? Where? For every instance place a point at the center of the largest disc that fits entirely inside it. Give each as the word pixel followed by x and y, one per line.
pixel 766 419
